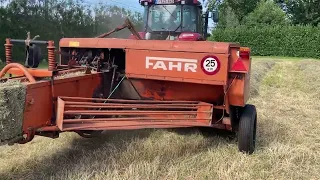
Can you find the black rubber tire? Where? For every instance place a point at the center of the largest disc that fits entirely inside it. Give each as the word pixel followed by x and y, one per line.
pixel 89 134
pixel 247 129
pixel 34 53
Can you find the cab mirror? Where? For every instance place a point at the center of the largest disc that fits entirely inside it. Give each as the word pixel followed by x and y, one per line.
pixel 215 16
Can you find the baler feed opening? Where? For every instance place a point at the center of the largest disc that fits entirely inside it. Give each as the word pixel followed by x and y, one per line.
pixel 75 113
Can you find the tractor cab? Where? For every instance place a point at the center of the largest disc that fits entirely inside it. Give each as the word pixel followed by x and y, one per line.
pixel 174 20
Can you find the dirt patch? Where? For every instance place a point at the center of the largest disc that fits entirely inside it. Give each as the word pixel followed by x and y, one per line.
pixel 12 101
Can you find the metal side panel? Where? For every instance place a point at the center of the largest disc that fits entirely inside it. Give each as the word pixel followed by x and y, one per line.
pixel 199 68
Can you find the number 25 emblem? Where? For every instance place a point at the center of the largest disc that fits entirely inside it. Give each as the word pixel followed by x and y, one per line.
pixel 210 65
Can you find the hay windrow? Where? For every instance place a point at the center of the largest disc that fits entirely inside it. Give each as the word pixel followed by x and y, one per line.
pixel 259 70
pixel 12 102
pixel 71 74
pixel 310 70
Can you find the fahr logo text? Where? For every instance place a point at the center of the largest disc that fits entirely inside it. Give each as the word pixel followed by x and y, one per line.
pixel 172 64
pixel 210 65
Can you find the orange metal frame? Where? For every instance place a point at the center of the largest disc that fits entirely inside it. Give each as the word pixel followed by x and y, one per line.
pixel 123 114
pixel 179 98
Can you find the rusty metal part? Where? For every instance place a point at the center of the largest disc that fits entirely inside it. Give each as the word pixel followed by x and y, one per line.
pixel 51 56
pixel 8 51
pixel 127 24
pixel 132 29
pixel 38 107
pixel 21 68
pixel 43 72
pixel 129 114
pixel 33 72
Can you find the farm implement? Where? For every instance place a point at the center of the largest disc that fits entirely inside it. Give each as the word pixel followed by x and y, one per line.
pixel 171 78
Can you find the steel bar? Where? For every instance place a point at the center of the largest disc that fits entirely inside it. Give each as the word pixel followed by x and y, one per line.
pixel 70 121
pixel 97 113
pixel 129 125
pixel 108 106
pixel 152 114
pixel 31 41
pixel 129 101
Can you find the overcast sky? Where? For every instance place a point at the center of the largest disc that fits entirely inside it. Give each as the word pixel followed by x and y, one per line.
pixel 128 4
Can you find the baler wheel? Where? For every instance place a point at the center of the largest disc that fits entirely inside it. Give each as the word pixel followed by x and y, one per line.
pixel 247 129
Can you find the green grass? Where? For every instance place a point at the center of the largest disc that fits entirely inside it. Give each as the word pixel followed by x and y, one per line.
pixel 280 58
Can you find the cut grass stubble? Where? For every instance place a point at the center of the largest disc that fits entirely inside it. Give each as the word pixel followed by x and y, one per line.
pixel 287 147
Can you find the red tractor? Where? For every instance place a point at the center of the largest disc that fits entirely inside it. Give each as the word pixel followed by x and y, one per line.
pixel 175 20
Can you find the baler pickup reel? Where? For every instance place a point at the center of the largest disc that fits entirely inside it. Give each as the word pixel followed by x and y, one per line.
pixel 87 114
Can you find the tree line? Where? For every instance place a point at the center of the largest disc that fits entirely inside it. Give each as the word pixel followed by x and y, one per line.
pixel 55 19
pixel 270 27
pixel 266 12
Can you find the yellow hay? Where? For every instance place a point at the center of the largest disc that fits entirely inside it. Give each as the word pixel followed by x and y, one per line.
pixel 12 101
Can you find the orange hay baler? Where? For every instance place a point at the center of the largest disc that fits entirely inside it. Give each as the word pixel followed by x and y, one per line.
pixel 135 84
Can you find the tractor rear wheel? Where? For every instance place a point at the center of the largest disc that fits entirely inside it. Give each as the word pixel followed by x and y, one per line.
pixel 247 129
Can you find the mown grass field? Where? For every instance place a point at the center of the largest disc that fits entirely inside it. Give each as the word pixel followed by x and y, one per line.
pixel 286 93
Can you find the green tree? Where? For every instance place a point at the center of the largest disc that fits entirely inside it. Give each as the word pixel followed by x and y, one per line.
pixel 231 12
pixel 302 11
pixel 266 13
pixel 241 7
pixel 109 17
pixel 227 17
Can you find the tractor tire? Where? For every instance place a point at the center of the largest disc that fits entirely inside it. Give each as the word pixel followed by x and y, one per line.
pixel 247 129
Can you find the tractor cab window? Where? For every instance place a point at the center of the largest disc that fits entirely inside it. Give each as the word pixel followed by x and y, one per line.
pixel 164 17
pixel 168 18
pixel 189 18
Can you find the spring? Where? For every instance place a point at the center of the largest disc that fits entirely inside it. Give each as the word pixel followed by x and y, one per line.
pixel 8 50
pixel 51 56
